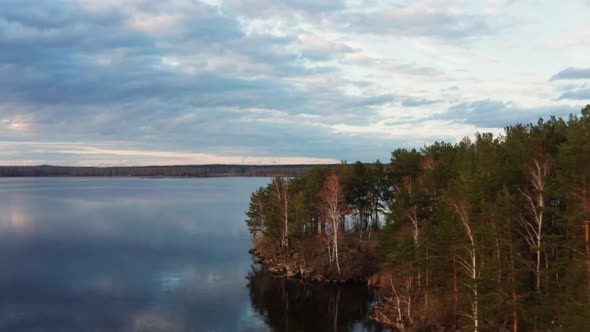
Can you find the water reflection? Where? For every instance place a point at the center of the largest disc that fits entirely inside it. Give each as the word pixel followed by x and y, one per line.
pixel 142 255
pixel 290 305
pixel 18 218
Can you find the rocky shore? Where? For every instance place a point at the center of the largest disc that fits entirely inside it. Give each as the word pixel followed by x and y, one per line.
pixel 291 268
pixel 315 271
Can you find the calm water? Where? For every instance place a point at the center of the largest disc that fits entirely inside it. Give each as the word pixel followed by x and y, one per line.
pixel 85 254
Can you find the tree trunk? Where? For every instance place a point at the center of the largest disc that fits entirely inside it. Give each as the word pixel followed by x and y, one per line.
pixel 533 227
pixel 335 245
pixel 427 279
pixel 475 291
pixel 333 200
pixel 286 213
pixel 470 266
pixel 513 284
pixel 455 291
pixel 587 238
pixel 514 298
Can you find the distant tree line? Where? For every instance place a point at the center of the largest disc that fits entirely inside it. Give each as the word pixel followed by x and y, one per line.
pixel 488 233
pixel 153 171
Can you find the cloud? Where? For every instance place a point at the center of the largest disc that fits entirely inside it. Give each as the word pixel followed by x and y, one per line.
pixel 92 154
pixel 418 19
pixel 305 79
pixel 572 74
pixel 391 66
pixel 497 114
pixel 417 102
pixel 317 47
pixel 282 8
pixel 582 93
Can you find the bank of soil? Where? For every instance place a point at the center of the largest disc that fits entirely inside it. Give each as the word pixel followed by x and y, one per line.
pixel 307 259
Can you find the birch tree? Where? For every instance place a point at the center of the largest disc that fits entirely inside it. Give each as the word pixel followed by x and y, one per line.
pixel 280 187
pixel 334 205
pixel 469 263
pixel 532 225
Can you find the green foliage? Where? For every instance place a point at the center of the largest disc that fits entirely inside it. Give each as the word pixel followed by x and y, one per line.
pixel 488 178
pixel 446 203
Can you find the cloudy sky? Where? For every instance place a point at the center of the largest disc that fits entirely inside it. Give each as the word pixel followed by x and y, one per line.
pixel 111 82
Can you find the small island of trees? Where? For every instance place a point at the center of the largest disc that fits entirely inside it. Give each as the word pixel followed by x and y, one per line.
pixel 485 234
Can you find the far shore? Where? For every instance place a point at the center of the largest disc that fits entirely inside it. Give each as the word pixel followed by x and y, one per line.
pixel 180 171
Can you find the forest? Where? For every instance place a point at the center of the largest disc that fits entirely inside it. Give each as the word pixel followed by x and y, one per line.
pixel 487 234
pixel 153 171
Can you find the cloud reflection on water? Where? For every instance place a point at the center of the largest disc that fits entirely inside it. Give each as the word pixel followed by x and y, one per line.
pixel 133 255
pixel 121 255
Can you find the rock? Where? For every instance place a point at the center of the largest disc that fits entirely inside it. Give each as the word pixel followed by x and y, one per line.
pixel 306 273
pixel 319 278
pixel 289 270
pixel 256 253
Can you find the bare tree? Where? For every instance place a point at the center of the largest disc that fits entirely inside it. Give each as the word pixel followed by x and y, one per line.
pixel 281 186
pixel 533 225
pixel 333 202
pixel 470 263
pixel 412 214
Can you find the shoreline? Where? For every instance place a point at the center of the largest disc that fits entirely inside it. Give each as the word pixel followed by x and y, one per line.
pixel 293 270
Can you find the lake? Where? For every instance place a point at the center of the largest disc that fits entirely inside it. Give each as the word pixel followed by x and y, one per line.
pixel 130 254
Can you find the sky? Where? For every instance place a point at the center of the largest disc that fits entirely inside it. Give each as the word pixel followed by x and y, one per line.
pixel 150 82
